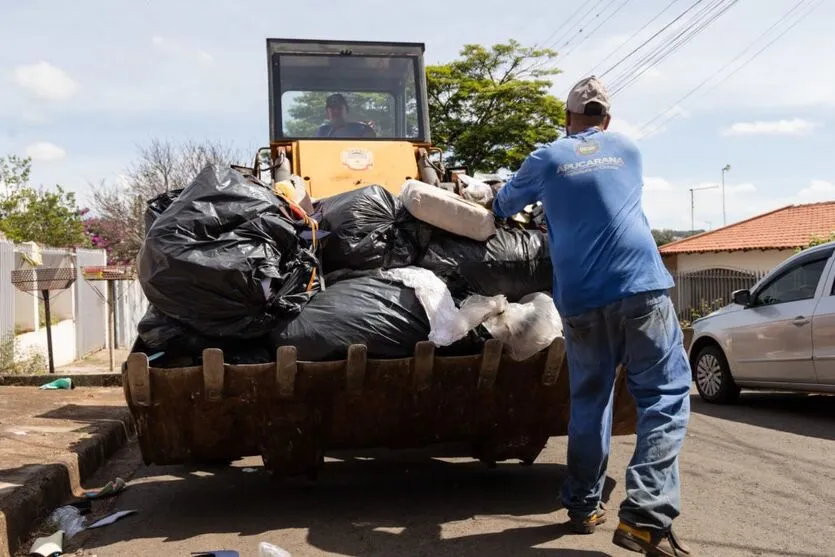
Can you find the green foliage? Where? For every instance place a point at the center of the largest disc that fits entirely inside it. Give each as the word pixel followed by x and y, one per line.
pixel 14 171
pixel 817 241
pixel 705 308
pixel 490 108
pixel 666 235
pixel 12 362
pixel 41 216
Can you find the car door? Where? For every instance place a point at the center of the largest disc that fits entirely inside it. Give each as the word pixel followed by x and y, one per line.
pixel 823 333
pixel 772 340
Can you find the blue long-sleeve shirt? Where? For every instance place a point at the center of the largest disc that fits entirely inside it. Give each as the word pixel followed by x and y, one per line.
pixel 602 249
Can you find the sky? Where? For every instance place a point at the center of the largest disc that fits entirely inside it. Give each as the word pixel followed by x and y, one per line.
pixel 83 84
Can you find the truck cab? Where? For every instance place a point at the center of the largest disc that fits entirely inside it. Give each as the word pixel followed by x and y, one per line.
pixel 344 114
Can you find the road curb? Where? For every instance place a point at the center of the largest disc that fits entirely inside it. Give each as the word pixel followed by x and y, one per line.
pixel 78 379
pixel 54 483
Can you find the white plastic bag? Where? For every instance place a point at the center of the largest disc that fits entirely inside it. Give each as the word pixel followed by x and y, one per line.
pixel 476 190
pixel 447 323
pixel 524 328
pixel 447 211
pixel 68 519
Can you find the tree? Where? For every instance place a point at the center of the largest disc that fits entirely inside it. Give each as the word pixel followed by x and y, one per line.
pixel 665 236
pixel 14 171
pixel 490 108
pixel 41 216
pixel 50 218
pixel 119 224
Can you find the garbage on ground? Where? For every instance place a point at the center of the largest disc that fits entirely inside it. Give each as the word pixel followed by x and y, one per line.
pixel 49 546
pixel 447 323
pixel 269 550
pixel 84 506
pixel 225 258
pixel 447 211
pixel 110 489
pixel 515 262
pixel 249 470
pixel 110 519
pixel 476 191
pixel 68 519
pixel 58 384
pixel 220 553
pixel 524 328
pixel 370 229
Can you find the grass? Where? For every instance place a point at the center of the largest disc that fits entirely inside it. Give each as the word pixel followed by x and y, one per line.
pixel 14 362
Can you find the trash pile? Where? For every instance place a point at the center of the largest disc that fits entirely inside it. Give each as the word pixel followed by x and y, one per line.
pixel 229 262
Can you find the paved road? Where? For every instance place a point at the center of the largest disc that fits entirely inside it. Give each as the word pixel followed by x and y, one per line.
pixel 759 479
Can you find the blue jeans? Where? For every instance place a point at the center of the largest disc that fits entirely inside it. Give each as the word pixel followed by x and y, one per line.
pixel 643 333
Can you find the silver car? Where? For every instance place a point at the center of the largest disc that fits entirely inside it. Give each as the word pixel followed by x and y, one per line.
pixel 778 335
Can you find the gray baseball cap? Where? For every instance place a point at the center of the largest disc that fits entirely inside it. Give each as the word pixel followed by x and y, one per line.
pixel 586 91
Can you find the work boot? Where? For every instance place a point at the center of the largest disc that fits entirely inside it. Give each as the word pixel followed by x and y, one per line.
pixel 587 524
pixel 648 542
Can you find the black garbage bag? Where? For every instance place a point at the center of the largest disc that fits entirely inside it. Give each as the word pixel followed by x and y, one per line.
pixel 514 262
pixel 225 260
pixel 157 205
pixel 382 314
pixel 370 229
pixel 181 346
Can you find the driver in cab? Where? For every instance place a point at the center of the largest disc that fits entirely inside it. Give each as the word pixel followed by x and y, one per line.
pixel 338 124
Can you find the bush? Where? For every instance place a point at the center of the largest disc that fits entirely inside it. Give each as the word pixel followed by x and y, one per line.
pixel 12 362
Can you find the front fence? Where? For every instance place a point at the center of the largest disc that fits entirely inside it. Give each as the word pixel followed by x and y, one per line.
pixel 700 292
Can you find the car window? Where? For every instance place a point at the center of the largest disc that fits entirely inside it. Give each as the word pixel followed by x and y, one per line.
pixel 798 283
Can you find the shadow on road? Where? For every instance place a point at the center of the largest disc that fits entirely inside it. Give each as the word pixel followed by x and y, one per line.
pixel 809 415
pixel 391 504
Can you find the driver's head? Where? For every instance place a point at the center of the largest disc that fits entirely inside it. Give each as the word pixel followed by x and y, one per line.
pixel 337 108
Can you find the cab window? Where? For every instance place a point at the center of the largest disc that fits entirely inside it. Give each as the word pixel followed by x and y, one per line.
pixel 798 283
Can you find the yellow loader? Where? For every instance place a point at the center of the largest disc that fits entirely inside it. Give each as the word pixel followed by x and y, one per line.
pixel 292 412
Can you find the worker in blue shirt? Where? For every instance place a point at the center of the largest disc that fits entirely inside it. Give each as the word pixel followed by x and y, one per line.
pixel 611 289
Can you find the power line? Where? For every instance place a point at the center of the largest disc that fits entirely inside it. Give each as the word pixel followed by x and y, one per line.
pixel 593 31
pixel 579 25
pixel 645 129
pixel 642 60
pixel 643 44
pixel 635 34
pixel 561 27
pixel 675 44
pixel 586 22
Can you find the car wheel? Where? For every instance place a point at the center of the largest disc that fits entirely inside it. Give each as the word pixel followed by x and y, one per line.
pixel 713 376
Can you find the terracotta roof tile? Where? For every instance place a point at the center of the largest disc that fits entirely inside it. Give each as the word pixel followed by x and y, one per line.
pixel 787 228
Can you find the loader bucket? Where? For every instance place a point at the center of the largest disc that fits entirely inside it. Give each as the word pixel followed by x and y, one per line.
pixel 291 412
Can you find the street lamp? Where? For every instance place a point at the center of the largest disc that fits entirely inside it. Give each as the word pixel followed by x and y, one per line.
pixel 693 203
pixel 725 168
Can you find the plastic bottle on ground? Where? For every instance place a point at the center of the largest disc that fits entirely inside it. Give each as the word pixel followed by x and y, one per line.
pixel 269 550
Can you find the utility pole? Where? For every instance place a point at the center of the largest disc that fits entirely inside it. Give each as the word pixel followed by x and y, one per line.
pixel 693 204
pixel 725 168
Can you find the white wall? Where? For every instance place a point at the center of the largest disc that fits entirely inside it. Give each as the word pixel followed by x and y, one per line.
pixel 754 260
pixel 63 343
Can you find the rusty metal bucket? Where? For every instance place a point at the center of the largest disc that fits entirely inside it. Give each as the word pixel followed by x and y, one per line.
pixel 292 412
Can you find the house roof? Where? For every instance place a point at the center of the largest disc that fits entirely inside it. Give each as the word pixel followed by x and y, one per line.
pixel 786 228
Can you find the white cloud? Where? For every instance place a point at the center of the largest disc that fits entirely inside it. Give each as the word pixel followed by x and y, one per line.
pixel 45 151
pixel 796 126
pixel 655 183
pixel 818 190
pixel 46 81
pixel 178 50
pixel 33 117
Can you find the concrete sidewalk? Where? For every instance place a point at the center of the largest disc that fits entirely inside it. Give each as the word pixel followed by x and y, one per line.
pixel 50 442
